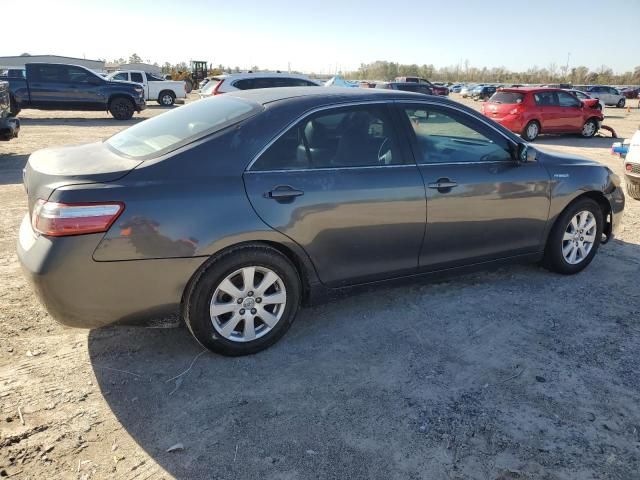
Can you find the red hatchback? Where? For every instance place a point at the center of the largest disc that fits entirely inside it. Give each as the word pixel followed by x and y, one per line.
pixel 531 111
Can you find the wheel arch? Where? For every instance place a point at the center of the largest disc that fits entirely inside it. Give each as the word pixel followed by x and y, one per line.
pixel 600 199
pixel 167 90
pixel 305 270
pixel 113 96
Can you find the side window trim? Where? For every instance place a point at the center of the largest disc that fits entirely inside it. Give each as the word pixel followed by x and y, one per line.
pixel 478 124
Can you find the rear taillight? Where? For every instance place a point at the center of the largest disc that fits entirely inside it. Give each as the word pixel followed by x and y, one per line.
pixel 517 111
pixel 62 219
pixel 217 87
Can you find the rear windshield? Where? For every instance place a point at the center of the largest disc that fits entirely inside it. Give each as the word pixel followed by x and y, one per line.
pixel 507 97
pixel 183 125
pixel 211 84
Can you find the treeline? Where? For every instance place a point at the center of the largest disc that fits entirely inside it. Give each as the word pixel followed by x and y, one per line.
pixel 382 70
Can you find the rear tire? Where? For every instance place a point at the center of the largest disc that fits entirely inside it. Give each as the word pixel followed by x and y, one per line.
pixel 227 310
pixel 633 190
pixel 569 234
pixel 14 110
pixel 621 103
pixel 121 108
pixel 166 98
pixel 531 131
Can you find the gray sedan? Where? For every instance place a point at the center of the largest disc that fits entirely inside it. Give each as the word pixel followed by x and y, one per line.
pixel 236 210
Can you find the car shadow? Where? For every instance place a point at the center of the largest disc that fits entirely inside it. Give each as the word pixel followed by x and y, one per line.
pixel 574 141
pixel 357 386
pixel 11 166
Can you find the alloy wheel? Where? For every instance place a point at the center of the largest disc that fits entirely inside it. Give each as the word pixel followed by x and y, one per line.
pixel 579 237
pixel 589 129
pixel 248 304
pixel 532 130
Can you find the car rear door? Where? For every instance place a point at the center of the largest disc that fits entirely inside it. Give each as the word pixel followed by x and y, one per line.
pixel 48 85
pixel 550 113
pixel 481 203
pixel 341 185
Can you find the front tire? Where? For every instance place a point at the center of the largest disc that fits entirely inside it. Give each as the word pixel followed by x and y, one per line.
pixel 121 108
pixel 633 190
pixel 574 238
pixel 531 131
pixel 244 301
pixel 621 103
pixel 590 128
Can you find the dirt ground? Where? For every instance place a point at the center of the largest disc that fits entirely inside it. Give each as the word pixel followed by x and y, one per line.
pixel 513 374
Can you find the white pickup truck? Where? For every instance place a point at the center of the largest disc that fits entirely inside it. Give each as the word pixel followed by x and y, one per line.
pixel 165 92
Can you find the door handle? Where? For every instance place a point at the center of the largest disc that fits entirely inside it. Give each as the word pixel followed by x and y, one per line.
pixel 443 185
pixel 283 192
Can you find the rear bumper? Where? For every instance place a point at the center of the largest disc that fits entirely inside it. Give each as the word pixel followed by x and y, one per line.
pixel 9 128
pixel 515 123
pixel 80 292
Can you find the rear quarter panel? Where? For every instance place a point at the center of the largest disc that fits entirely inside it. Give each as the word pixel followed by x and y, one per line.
pixel 191 203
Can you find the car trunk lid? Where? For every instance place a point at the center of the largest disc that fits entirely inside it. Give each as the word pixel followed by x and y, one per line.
pixel 53 168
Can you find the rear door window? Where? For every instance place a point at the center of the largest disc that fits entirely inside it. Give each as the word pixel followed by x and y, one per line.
pixel 48 73
pixel 137 77
pixel 361 136
pixel 546 99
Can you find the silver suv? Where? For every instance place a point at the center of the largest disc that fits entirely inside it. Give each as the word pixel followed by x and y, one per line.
pixel 249 81
pixel 607 95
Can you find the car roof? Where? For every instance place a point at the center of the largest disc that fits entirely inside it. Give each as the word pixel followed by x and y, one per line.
pixel 531 89
pixel 329 95
pixel 230 76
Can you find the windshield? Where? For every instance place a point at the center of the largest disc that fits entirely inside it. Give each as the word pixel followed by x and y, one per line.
pixel 506 97
pixel 181 126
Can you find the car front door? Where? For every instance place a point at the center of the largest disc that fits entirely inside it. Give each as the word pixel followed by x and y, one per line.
pixel 482 204
pixel 85 88
pixel 342 186
pixel 571 116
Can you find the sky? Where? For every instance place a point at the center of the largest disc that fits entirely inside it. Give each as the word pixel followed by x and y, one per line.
pixel 323 36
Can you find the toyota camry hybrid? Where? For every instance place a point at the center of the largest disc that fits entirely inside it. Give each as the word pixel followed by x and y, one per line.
pixel 235 210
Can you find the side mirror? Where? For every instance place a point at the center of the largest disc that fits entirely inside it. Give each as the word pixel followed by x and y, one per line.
pixel 526 154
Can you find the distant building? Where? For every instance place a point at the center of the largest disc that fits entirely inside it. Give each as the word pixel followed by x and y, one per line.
pixel 21 61
pixel 145 67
